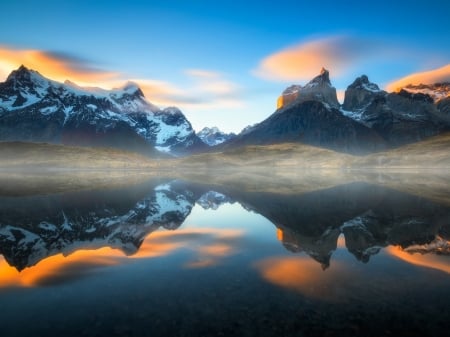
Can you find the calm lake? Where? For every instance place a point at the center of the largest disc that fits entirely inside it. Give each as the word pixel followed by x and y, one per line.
pixel 237 256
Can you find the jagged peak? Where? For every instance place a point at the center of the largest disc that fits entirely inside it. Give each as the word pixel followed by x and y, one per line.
pixel 172 110
pixel 213 129
pixel 322 78
pixel 24 74
pixel 362 82
pixel 318 89
pixel 130 87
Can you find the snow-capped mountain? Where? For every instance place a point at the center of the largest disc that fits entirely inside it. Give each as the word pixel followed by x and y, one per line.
pixel 34 108
pixel 213 136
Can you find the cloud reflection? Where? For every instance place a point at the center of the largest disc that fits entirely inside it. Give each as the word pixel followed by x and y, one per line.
pixel 209 245
pixel 305 276
pixel 433 261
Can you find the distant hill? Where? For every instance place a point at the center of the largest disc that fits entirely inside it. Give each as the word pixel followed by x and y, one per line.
pixel 29 156
pixel 430 153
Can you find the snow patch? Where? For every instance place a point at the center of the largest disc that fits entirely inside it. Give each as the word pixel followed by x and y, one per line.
pixel 48 110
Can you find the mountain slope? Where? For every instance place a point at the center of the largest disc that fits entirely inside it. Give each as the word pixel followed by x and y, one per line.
pixel 34 108
pixel 31 156
pixel 313 123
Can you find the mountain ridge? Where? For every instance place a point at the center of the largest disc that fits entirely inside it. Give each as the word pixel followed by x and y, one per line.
pixel 369 120
pixel 34 108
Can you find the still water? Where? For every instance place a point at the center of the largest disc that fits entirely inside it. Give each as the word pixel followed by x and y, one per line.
pixel 173 257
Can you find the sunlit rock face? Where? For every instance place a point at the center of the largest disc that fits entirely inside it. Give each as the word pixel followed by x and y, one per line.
pixel 318 89
pixel 288 96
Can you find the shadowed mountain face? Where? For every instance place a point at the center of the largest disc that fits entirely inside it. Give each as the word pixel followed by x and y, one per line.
pixel 369 217
pixel 312 123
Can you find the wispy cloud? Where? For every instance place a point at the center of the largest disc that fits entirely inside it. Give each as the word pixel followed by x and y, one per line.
pixel 343 55
pixel 201 89
pixel 426 77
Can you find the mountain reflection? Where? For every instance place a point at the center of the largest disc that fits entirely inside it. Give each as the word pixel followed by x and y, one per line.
pixel 119 222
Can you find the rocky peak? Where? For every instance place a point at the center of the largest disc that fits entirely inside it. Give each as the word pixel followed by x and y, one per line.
pixel 361 93
pixel 322 79
pixel 318 89
pixel 133 89
pixel 25 78
pixel 21 73
pixel 363 83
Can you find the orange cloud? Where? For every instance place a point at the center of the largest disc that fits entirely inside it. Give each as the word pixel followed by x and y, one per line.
pixel 305 276
pixel 209 244
pixel 58 68
pixel 303 61
pixel 426 77
pixel 53 266
pixel 205 89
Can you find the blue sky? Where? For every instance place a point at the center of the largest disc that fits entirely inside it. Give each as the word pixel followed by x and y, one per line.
pixel 223 63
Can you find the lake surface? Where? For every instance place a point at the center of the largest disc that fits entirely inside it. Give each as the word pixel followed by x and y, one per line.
pixel 162 256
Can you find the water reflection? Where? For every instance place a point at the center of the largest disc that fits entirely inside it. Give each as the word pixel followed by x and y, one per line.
pixel 224 255
pixel 365 217
pixel 370 217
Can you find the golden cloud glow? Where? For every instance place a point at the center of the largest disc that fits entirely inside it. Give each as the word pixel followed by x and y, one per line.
pixel 206 89
pixel 54 266
pixel 427 77
pixel 426 260
pixel 304 61
pixel 304 275
pixel 52 67
pixel 209 244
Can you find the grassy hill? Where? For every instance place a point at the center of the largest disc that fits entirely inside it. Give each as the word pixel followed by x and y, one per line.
pixel 30 156
pixel 433 153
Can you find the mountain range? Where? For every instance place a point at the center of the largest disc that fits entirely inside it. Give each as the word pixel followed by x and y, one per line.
pixel 369 120
pixel 36 109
